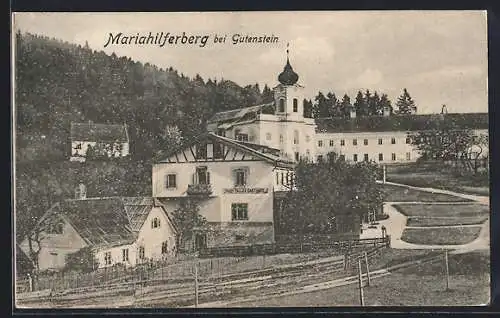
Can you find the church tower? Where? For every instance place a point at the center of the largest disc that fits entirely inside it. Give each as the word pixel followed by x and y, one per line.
pixel 288 95
pixel 297 133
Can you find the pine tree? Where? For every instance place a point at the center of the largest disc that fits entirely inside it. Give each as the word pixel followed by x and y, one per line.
pixel 360 105
pixel 405 104
pixel 267 95
pixel 320 107
pixel 385 103
pixel 374 105
pixel 333 105
pixel 345 106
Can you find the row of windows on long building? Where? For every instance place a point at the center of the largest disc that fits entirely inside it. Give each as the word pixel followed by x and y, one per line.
pixel 365 142
pixel 356 157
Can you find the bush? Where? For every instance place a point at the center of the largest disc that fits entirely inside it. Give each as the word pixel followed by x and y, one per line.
pixel 83 261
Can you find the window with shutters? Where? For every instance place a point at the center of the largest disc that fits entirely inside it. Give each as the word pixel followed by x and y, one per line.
pixel 240 176
pixel 125 255
pixel 142 252
pixel 393 157
pixel 393 140
pixel 342 142
pixel 164 247
pixel 380 157
pixel 239 211
pixel 331 142
pixel 320 143
pixel 380 141
pixel 171 181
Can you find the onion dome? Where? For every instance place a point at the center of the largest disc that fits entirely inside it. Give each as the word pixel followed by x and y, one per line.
pixel 288 76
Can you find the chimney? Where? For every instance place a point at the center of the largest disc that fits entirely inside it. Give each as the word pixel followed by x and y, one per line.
pixel 444 110
pixel 81 192
pixel 353 113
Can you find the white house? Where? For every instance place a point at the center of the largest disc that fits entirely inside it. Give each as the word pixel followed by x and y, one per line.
pixel 233 182
pixel 126 230
pixel 109 140
pixel 282 125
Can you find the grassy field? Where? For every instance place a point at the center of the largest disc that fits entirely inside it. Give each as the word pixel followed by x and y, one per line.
pixel 404 194
pixel 422 285
pixel 441 236
pixel 443 215
pixel 435 176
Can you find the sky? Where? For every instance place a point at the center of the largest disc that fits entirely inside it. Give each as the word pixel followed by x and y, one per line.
pixel 439 56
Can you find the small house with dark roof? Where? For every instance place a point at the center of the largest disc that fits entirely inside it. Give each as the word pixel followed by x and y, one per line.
pixel 98 140
pixel 120 230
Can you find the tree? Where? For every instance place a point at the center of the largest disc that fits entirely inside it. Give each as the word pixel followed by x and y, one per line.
pixel 188 219
pixel 384 103
pixel 345 106
pixel 360 105
pixel 320 107
pixel 171 138
pixel 83 260
pixel 333 105
pixel 405 104
pixel 374 105
pixel 331 190
pixel 446 142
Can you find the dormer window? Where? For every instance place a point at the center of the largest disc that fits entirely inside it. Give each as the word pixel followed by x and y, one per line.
pixel 155 223
pixel 281 105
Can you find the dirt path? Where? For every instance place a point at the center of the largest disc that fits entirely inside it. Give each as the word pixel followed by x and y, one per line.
pixel 396 223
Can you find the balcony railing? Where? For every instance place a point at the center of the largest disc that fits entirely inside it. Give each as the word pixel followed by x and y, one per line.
pixel 199 189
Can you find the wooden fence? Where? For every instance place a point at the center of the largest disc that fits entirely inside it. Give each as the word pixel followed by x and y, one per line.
pixel 292 247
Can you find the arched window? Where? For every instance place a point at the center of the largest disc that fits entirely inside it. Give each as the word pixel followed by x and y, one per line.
pixel 155 223
pixel 282 105
pixel 296 137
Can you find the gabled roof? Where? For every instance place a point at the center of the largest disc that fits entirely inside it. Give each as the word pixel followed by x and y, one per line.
pixel 240 113
pixel 242 146
pixel 399 122
pixel 99 221
pixel 98 132
pixel 108 221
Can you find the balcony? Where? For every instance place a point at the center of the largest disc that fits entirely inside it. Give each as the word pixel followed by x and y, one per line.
pixel 199 189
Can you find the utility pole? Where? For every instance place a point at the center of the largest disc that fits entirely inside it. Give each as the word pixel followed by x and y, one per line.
pixel 196 284
pixel 360 283
pixel 367 270
pixel 447 270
